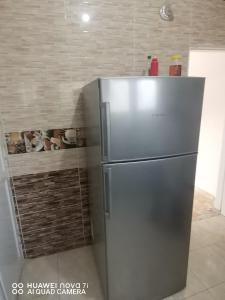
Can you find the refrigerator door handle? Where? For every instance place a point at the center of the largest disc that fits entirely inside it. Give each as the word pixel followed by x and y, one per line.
pixel 107 188
pixel 106 130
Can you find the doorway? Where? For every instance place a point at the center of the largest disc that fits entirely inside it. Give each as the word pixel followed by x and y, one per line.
pixel 210 173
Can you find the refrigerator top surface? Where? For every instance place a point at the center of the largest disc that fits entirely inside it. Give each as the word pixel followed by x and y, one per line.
pixel 149 77
pixel 134 78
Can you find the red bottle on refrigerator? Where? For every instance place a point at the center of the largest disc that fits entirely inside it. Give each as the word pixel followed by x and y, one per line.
pixel 154 70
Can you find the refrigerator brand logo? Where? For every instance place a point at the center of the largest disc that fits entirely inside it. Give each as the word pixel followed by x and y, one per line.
pixel 159 115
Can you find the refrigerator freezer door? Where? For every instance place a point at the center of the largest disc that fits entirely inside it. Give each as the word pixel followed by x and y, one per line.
pixel 148 222
pixel 150 117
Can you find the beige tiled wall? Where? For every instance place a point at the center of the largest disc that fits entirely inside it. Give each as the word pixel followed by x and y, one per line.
pixel 40 162
pixel 45 56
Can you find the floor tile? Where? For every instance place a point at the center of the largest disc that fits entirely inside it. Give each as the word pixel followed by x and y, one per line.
pixel 203 206
pixel 221 245
pixel 47 298
pixel 81 297
pixel 43 269
pixel 218 292
pixel 221 219
pixel 79 266
pixel 208 264
pixel 207 232
pixel 200 237
pixel 202 296
pixel 42 297
pixel 215 225
pixel 194 286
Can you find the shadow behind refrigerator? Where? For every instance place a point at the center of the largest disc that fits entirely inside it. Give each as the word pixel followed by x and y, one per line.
pixel 142 135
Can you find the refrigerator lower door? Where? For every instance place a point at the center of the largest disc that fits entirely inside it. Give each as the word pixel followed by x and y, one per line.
pixel 148 210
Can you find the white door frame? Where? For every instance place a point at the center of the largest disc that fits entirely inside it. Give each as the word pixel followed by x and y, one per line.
pixel 220 193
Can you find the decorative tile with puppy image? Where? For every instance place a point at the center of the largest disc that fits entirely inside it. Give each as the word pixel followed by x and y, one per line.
pixel 52 139
pixel 33 141
pixel 45 140
pixel 15 142
pixel 56 139
pixel 70 138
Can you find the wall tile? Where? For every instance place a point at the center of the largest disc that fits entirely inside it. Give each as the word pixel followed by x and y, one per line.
pixel 39 162
pixel 53 211
pixel 208 24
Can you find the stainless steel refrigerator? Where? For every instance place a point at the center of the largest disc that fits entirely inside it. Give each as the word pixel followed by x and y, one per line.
pixel 142 136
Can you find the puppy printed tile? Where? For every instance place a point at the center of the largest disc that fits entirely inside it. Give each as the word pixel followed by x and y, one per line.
pixel 33 141
pixel 15 142
pixel 45 140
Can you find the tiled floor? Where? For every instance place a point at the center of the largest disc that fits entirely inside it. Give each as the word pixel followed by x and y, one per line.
pixel 203 206
pixel 206 275
pixel 70 266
